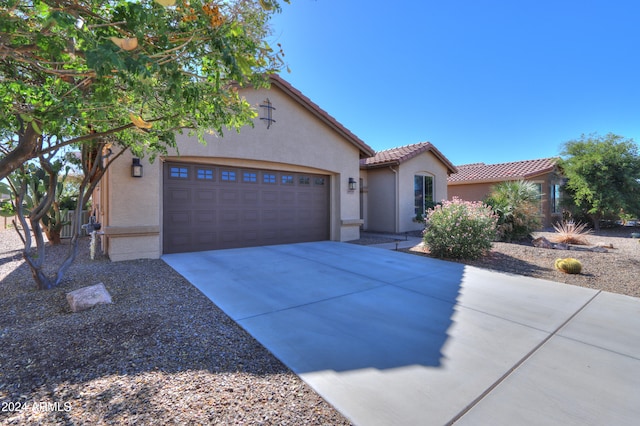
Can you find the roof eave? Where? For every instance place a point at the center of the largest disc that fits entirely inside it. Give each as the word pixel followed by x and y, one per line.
pixel 365 150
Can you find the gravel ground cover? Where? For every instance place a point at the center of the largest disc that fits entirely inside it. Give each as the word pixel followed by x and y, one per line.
pixel 162 353
pixel 616 271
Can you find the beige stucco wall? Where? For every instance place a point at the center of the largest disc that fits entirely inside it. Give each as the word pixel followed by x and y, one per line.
pixel 470 192
pixel 423 164
pixel 390 197
pixel 129 211
pixel 479 191
pixel 297 141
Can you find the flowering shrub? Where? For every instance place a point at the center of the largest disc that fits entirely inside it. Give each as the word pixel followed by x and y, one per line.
pixel 460 229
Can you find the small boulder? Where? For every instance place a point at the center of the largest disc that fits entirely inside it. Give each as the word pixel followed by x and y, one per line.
pixel 542 242
pixel 599 249
pixel 87 297
pixel 605 245
pixel 561 246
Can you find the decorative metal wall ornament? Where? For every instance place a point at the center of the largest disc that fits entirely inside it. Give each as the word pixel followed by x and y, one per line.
pixel 268 112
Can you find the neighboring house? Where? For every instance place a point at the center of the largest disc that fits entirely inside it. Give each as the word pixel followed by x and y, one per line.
pixel 285 180
pixel 399 184
pixel 473 182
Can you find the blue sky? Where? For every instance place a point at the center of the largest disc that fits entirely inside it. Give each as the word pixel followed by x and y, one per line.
pixel 483 80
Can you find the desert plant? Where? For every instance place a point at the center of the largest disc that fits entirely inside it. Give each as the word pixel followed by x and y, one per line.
pixel 570 232
pixel 460 229
pixel 569 265
pixel 516 203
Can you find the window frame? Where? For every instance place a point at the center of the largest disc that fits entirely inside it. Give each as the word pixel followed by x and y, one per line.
pixel 182 172
pixel 422 209
pixel 225 175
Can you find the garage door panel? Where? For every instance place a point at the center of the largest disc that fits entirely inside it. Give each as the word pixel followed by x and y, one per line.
pixel 287 198
pixel 179 195
pixel 269 216
pixel 212 207
pixel 179 239
pixel 229 196
pixel 205 196
pixel 179 218
pixel 250 196
pixel 286 217
pixel 229 217
pixel 206 218
pixel 270 198
pixel 250 215
pixel 251 236
pixel 206 238
pixel 304 197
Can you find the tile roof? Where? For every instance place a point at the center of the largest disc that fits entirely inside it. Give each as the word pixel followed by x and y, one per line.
pixel 285 86
pixel 480 172
pixel 395 156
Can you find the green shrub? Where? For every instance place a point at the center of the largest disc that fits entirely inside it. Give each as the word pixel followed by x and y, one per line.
pixel 6 209
pixel 516 203
pixel 460 229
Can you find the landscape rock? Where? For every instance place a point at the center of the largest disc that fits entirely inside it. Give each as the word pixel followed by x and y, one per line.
pixel 605 245
pixel 542 242
pixel 87 297
pixel 561 246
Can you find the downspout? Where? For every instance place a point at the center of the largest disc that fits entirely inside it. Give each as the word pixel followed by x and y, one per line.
pixel 397 200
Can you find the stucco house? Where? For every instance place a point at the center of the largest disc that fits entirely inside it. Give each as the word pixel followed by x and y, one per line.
pixel 293 177
pixel 399 184
pixel 473 182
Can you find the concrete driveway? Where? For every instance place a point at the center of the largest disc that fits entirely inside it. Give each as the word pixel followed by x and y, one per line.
pixel 392 338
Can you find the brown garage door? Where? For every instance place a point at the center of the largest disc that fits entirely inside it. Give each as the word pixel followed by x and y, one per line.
pixel 215 207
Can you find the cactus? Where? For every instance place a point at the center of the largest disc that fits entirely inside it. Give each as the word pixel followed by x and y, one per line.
pixel 569 265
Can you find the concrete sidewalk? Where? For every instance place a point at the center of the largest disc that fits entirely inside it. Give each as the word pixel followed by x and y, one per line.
pixel 391 338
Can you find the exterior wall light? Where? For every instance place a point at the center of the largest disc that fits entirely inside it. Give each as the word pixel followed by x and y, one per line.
pixel 352 184
pixel 136 168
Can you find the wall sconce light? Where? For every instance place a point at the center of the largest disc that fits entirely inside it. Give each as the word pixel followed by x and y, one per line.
pixel 352 184
pixel 136 168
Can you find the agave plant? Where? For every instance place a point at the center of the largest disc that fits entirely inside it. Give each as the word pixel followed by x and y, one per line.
pixel 570 232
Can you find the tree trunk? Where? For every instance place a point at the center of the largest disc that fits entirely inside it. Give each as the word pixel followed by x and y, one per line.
pixel 54 236
pixel 27 149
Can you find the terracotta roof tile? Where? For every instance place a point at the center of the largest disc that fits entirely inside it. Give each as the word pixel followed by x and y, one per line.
pixel 480 172
pixel 401 154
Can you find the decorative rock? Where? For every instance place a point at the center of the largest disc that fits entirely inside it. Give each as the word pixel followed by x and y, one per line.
pixel 561 246
pixel 605 245
pixel 598 249
pixel 87 297
pixel 542 242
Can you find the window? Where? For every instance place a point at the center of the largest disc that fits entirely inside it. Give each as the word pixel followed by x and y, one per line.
pixel 249 177
pixel 268 178
pixel 555 198
pixel 205 174
pixel 539 189
pixel 179 172
pixel 304 180
pixel 286 179
pixel 423 194
pixel 228 176
pixel 319 181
